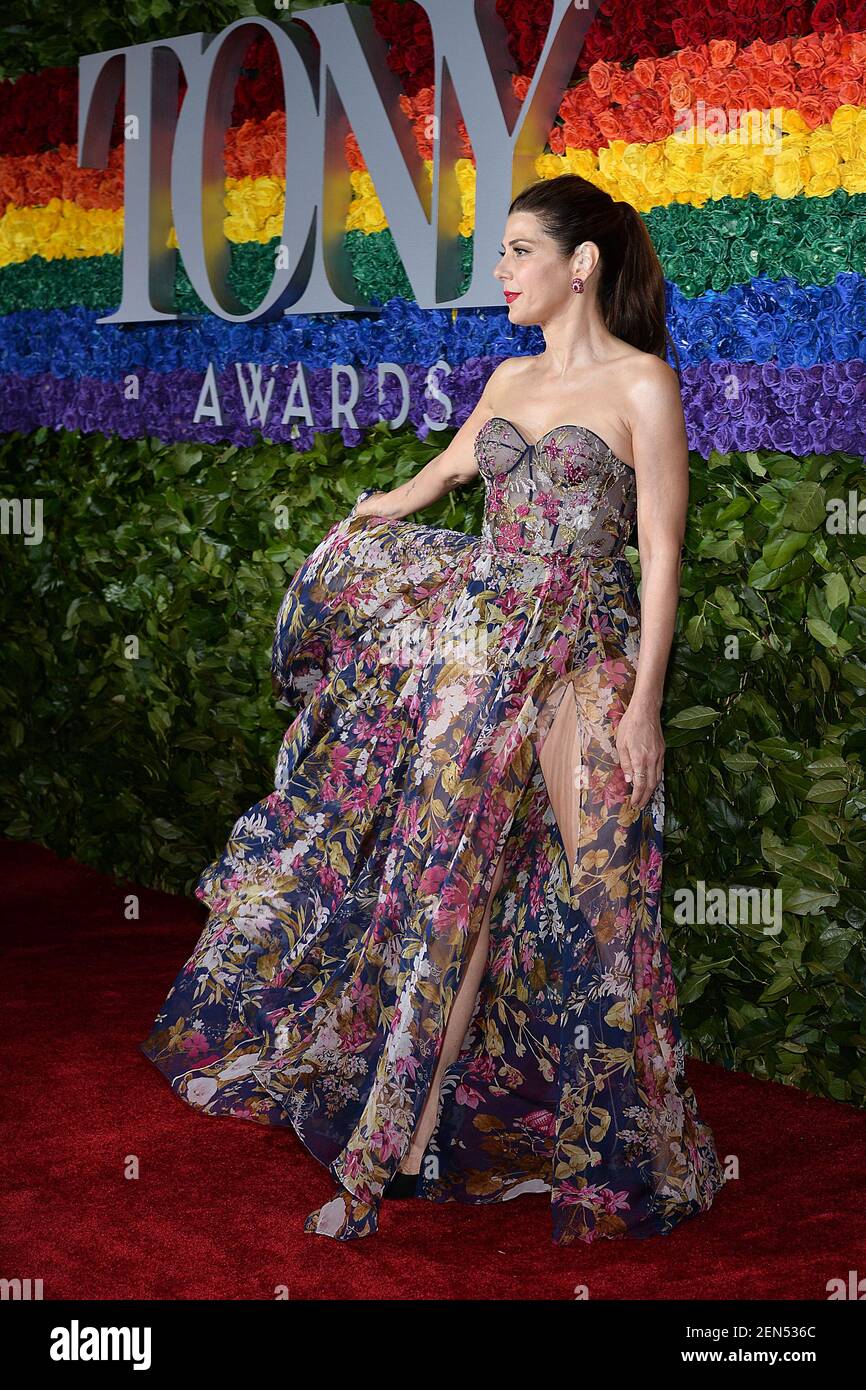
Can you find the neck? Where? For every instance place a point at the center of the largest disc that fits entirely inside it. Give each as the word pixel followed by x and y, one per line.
pixel 575 339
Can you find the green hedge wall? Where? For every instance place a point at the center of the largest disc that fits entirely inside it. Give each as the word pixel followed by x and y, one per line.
pixel 140 766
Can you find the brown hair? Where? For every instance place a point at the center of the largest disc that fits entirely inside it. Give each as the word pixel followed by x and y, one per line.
pixel 632 282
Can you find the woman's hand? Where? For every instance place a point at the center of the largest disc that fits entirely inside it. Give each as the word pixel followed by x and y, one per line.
pixel 369 505
pixel 641 749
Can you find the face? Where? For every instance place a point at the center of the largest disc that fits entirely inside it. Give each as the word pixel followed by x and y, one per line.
pixel 535 278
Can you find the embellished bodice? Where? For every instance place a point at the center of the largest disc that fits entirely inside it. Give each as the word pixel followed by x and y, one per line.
pixel 568 491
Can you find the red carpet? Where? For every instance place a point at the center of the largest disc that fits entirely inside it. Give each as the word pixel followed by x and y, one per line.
pixel 218 1206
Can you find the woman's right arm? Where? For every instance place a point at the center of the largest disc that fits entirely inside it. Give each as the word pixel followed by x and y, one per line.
pixel 452 468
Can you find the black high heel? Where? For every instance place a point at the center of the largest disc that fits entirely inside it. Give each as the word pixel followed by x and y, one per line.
pixel 401 1185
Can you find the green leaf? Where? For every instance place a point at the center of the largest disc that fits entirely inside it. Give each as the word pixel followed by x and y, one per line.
pixel 805 899
pixel 695 630
pixel 823 674
pixel 762 577
pixel 695 717
pixel 822 767
pixel 781 985
pixel 778 552
pixel 828 789
pixel 838 593
pixel 165 829
pixel 779 750
pixel 805 509
pixel 739 762
pixel 823 633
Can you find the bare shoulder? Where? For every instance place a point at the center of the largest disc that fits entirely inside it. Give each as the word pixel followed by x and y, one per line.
pixel 653 401
pixel 505 375
pixel 651 385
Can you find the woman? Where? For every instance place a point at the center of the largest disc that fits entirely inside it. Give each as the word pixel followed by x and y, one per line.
pixel 436 949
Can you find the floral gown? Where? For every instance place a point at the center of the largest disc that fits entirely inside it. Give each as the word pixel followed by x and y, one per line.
pixel 458 699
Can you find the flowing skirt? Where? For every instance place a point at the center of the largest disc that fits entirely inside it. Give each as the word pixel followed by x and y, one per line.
pixel 457 711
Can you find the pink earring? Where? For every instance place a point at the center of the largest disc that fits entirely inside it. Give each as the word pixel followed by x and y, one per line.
pixel 577 285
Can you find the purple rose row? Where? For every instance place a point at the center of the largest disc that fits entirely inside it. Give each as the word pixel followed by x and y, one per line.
pixel 729 406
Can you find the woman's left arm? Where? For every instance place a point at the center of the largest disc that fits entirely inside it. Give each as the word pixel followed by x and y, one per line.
pixel 661 459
